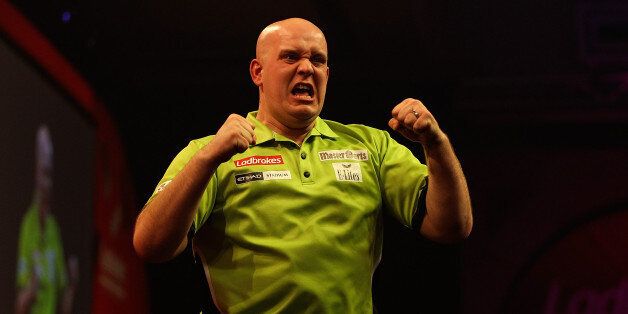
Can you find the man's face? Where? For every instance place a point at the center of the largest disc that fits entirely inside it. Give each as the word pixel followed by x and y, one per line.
pixel 294 73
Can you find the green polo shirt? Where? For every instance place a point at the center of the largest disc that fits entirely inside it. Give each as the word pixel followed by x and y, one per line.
pixel 40 255
pixel 299 228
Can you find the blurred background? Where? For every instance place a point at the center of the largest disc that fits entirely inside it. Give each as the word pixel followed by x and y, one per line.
pixel 533 94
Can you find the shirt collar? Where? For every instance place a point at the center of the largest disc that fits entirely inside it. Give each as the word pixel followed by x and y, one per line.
pixel 264 134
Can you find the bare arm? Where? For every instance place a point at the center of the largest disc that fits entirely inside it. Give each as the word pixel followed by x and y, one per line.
pixel 449 216
pixel 162 226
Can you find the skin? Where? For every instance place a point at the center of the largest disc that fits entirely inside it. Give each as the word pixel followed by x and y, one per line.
pixel 289 52
pixel 449 216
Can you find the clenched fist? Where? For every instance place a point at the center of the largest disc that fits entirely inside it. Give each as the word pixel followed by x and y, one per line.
pixel 234 136
pixel 412 119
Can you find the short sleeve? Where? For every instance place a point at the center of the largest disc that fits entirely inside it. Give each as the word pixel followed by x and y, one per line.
pixel 403 179
pixel 208 198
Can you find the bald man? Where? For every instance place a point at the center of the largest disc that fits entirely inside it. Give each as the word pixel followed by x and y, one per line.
pixel 291 202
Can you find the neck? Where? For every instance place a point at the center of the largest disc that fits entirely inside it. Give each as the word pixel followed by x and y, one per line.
pixel 295 133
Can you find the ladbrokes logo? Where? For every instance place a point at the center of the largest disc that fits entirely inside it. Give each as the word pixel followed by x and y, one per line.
pixel 259 160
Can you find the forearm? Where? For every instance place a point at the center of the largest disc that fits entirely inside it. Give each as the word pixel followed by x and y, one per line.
pixel 449 216
pixel 162 226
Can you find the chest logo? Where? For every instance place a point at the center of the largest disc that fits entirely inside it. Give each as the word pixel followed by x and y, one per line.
pixel 352 154
pixel 348 171
pixel 259 161
pixel 263 175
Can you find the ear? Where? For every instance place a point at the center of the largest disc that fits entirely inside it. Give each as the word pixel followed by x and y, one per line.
pixel 255 69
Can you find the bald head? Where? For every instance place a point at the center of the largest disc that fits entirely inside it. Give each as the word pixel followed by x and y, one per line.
pixel 291 72
pixel 273 33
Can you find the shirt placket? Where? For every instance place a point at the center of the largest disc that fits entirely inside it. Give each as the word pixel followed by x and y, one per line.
pixel 305 165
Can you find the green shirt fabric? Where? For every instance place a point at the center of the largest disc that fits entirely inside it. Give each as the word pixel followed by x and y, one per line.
pixel 299 228
pixel 40 254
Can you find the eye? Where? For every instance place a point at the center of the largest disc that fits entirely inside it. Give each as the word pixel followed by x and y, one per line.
pixel 318 60
pixel 290 57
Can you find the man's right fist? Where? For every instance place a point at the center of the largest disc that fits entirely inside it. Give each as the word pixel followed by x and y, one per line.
pixel 234 136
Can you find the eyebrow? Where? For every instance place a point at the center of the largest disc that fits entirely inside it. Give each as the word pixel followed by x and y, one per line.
pixel 287 51
pixel 283 52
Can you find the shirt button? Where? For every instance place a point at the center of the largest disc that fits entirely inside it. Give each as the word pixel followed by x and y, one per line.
pixel 303 155
pixel 306 174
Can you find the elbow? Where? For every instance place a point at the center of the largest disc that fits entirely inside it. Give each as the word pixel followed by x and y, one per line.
pixel 147 250
pixel 464 230
pixel 451 237
pixel 459 232
pixel 142 249
pixel 450 234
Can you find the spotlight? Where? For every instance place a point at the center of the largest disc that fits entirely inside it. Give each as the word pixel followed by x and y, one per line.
pixel 66 16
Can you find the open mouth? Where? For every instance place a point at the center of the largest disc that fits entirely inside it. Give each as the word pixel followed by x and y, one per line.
pixel 303 90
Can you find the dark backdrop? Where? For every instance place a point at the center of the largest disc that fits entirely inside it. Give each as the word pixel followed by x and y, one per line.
pixel 532 94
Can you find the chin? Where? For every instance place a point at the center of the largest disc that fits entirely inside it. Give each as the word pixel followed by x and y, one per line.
pixel 306 111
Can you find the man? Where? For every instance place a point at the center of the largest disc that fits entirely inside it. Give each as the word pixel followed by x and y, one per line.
pixel 42 282
pixel 291 202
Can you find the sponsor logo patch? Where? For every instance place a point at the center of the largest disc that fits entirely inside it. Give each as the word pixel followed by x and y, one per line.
pixel 263 175
pixel 352 154
pixel 162 186
pixel 259 161
pixel 348 171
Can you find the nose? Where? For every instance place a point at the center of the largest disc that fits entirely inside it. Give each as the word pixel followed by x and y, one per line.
pixel 306 68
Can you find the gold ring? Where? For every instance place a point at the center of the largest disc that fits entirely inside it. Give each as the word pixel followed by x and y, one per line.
pixel 416 114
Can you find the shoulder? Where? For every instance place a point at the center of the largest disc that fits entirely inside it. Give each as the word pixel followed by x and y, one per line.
pixel 200 142
pixel 378 142
pixel 194 146
pixel 358 131
pixel 373 138
pixel 184 155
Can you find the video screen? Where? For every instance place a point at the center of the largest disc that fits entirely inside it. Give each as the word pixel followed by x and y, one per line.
pixel 46 183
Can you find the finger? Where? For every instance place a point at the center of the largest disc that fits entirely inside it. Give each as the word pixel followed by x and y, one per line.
pixel 247 131
pixel 247 136
pixel 241 144
pixel 422 124
pixel 409 119
pixel 250 127
pixel 407 133
pixel 250 123
pixel 415 109
pixel 241 120
pixel 245 122
pixel 393 123
pixel 397 111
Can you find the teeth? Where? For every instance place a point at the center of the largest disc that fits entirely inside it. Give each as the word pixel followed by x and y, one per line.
pixel 302 88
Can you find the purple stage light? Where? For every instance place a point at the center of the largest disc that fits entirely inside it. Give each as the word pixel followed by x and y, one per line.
pixel 66 16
